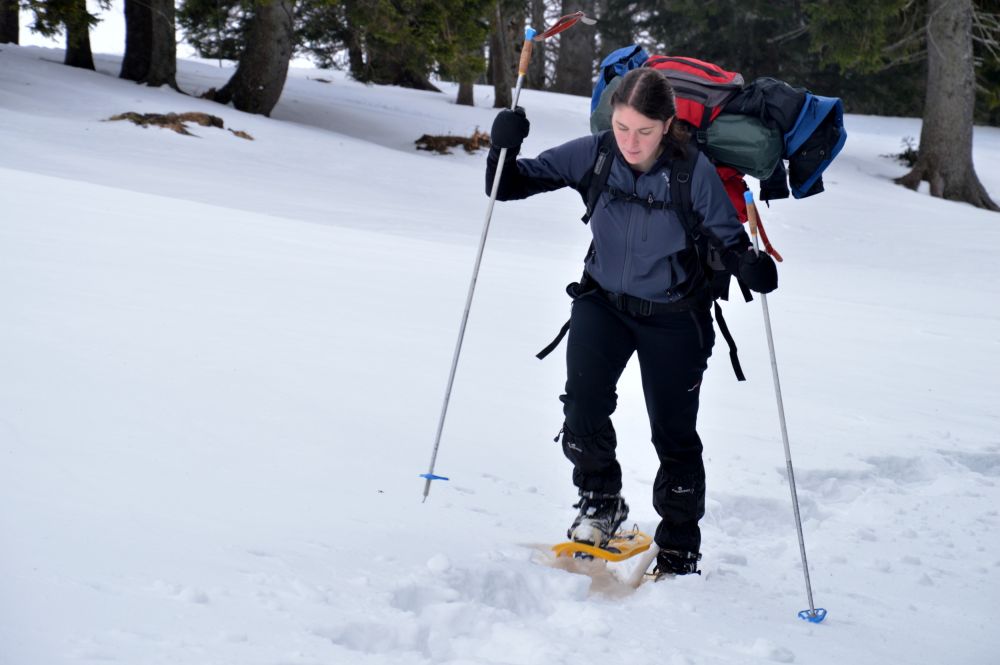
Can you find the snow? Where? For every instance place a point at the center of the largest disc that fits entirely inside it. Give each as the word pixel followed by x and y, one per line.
pixel 223 363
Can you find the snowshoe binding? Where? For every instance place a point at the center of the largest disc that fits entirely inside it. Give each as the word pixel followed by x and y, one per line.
pixel 670 563
pixel 599 518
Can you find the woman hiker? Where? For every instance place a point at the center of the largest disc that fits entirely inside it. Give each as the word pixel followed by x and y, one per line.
pixel 644 292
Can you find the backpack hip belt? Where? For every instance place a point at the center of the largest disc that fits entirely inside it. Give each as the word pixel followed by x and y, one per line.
pixel 623 302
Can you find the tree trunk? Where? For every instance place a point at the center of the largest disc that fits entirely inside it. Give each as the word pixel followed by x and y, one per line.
pixel 499 61
pixel 515 16
pixel 465 96
pixel 138 36
pixel 356 59
pixel 78 53
pixel 150 43
pixel 260 76
pixel 577 51
pixel 536 69
pixel 163 49
pixel 355 51
pixel 945 157
pixel 9 25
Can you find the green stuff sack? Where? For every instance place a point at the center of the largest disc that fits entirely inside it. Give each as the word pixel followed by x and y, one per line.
pixel 745 143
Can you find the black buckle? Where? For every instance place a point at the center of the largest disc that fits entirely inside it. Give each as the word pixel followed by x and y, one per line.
pixel 630 304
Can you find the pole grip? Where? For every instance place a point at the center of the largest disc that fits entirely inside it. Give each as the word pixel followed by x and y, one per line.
pixel 752 218
pixel 522 65
pixel 751 212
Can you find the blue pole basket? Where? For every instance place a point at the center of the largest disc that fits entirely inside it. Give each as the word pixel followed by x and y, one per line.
pixel 813 616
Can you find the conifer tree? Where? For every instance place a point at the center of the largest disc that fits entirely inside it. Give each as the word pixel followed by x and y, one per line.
pixel 263 65
pixel 865 36
pixel 55 17
pixel 216 29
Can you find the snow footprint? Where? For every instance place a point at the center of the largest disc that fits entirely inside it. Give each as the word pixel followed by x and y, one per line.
pixel 181 592
pixel 767 649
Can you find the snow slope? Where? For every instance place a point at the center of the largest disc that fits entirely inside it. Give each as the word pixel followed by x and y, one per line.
pixel 223 363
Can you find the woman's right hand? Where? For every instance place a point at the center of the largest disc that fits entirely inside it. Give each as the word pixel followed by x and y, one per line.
pixel 509 129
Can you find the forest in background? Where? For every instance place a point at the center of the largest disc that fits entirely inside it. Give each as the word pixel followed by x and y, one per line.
pixel 869 54
pixel 939 59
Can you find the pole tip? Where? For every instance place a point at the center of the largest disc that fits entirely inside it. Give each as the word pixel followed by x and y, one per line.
pixel 529 34
pixel 813 616
pixel 748 197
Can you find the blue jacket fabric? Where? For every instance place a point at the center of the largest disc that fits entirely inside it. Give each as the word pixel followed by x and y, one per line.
pixel 638 250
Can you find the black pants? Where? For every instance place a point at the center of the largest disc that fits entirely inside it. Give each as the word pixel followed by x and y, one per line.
pixel 673 350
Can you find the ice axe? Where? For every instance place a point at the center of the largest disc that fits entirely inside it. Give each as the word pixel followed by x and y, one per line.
pixel 530 36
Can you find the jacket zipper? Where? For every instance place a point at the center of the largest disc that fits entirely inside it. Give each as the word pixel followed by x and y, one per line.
pixel 628 247
pixel 628 237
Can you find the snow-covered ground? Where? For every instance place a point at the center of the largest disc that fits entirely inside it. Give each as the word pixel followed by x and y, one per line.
pixel 222 363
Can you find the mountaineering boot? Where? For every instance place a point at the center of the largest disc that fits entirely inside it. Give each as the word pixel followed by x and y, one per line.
pixel 675 562
pixel 600 516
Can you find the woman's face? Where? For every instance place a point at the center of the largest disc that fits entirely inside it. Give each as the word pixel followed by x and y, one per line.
pixel 638 136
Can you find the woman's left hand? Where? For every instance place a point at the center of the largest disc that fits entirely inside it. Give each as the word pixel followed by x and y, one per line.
pixel 758 272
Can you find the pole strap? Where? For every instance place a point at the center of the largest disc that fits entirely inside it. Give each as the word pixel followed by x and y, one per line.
pixel 563 23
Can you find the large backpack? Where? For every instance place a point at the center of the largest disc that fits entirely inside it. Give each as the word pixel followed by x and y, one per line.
pixel 743 129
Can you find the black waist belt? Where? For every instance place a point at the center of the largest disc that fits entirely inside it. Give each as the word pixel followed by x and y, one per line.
pixel 640 307
pixel 635 306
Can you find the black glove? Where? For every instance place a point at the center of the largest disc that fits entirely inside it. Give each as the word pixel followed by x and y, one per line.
pixel 758 271
pixel 509 128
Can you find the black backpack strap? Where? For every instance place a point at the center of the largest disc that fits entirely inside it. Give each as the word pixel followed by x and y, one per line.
pixel 585 286
pixel 680 195
pixel 554 343
pixel 701 132
pixel 680 190
pixel 597 179
pixel 733 357
pixel 745 290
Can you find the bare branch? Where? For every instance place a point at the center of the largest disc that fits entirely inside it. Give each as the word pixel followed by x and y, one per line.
pixel 790 35
pixel 914 36
pixel 990 45
pixel 986 31
pixel 908 59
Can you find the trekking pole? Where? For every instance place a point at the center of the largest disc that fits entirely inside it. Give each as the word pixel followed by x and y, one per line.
pixel 522 70
pixel 813 614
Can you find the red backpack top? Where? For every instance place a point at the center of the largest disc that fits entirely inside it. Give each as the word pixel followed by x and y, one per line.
pixel 702 88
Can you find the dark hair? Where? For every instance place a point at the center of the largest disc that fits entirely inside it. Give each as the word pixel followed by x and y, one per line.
pixel 649 92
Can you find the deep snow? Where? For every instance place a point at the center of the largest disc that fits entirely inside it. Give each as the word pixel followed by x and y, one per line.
pixel 223 363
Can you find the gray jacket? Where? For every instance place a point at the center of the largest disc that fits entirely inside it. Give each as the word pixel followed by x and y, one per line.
pixel 638 250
